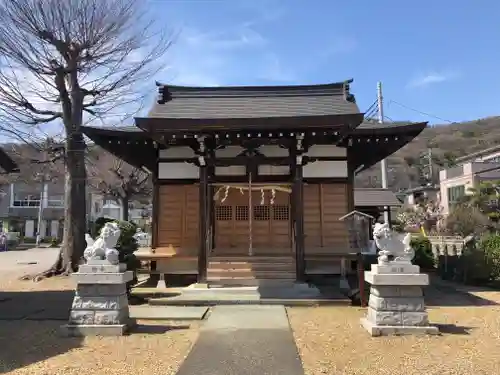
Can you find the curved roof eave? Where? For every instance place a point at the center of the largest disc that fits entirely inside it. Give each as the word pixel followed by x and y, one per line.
pixel 115 141
pixel 7 163
pixel 366 154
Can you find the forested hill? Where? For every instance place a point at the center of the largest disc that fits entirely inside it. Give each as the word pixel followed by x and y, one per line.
pixel 446 142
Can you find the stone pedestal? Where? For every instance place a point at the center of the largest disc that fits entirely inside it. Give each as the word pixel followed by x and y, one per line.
pixel 100 306
pixel 396 305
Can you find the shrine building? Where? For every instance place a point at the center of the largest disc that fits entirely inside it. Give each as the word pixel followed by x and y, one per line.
pixel 250 182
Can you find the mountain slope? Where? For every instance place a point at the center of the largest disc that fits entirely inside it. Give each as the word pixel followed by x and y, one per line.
pixel 446 142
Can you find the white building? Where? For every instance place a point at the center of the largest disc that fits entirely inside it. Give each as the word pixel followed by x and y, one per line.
pixel 471 170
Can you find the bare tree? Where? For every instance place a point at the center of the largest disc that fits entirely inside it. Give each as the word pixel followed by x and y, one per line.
pixel 117 180
pixel 66 62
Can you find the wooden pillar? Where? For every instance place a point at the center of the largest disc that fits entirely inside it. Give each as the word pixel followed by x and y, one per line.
pixel 204 217
pixel 155 215
pixel 298 219
pixel 350 181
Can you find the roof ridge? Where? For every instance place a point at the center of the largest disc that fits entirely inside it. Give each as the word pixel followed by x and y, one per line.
pixel 254 87
pixel 169 92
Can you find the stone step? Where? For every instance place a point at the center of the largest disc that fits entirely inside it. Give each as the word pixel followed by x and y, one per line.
pixel 255 266
pixel 250 274
pixel 246 281
pixel 243 300
pixel 253 259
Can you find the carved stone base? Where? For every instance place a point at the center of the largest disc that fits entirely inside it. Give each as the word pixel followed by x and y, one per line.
pixel 376 330
pixel 100 305
pixel 72 330
pixel 396 305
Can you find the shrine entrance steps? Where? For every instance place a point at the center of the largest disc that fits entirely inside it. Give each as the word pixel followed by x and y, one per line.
pixel 226 270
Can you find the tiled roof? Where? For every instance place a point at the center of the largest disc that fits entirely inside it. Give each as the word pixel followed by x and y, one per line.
pixel 6 163
pixel 178 102
pixel 375 198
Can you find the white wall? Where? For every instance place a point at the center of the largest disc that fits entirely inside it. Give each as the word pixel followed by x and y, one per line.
pixel 54 228
pixel 325 169
pixel 177 171
pixel 29 229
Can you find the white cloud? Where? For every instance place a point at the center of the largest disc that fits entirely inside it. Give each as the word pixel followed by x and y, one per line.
pixel 210 58
pixel 273 69
pixel 432 78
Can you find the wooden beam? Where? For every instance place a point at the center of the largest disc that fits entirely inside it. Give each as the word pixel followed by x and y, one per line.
pixel 250 123
pixel 298 208
pixel 203 224
pixel 156 207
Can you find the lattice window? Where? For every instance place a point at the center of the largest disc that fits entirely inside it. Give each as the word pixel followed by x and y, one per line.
pixel 281 212
pixel 223 213
pixel 241 213
pixel 261 213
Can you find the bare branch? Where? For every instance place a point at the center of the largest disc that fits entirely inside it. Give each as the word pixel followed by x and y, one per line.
pixel 64 63
pixel 55 54
pixel 112 177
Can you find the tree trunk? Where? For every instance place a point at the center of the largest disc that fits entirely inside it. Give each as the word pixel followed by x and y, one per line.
pixel 75 209
pixel 124 203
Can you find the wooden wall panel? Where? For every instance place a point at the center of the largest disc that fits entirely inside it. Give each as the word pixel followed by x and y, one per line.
pixel 312 216
pixel 324 204
pixel 178 218
pixel 334 206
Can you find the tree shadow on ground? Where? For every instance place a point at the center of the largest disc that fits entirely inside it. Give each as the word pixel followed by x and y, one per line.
pixel 156 329
pixel 438 295
pixel 30 327
pixel 453 329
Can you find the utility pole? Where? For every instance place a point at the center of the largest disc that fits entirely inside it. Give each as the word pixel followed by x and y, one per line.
pixel 40 211
pixel 427 167
pixel 431 169
pixel 383 163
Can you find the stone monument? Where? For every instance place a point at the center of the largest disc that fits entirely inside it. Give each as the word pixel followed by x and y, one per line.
pixel 396 305
pixel 100 305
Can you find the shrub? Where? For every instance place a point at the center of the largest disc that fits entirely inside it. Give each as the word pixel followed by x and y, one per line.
pixel 54 242
pixel 490 247
pixel 423 252
pixel 465 221
pixel 98 224
pixel 29 240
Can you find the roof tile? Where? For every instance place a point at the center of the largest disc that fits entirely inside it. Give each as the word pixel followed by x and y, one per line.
pixel 178 102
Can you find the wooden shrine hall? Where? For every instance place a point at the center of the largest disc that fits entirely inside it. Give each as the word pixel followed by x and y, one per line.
pixel 250 182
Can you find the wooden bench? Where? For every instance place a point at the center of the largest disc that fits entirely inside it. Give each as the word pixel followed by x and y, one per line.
pixel 162 254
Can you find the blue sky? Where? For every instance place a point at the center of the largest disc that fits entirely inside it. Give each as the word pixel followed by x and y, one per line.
pixel 440 57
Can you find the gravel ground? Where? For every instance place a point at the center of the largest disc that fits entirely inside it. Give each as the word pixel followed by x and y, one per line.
pixel 36 348
pixel 331 341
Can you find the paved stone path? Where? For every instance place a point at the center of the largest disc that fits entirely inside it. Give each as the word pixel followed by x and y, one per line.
pixel 244 340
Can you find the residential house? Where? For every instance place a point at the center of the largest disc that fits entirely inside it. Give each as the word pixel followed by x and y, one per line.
pixel 471 169
pixel 22 204
pixel 413 197
pixel 101 206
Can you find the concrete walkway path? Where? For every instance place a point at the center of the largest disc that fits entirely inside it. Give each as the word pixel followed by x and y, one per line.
pixel 244 340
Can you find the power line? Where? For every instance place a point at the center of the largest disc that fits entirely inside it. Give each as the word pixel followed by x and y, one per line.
pixel 421 112
pixel 372 107
pixel 371 111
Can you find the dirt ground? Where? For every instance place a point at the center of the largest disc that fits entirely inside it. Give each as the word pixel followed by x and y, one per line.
pixel 35 347
pixel 331 341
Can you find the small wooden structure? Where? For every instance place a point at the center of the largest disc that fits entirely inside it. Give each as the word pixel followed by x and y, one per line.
pixel 359 226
